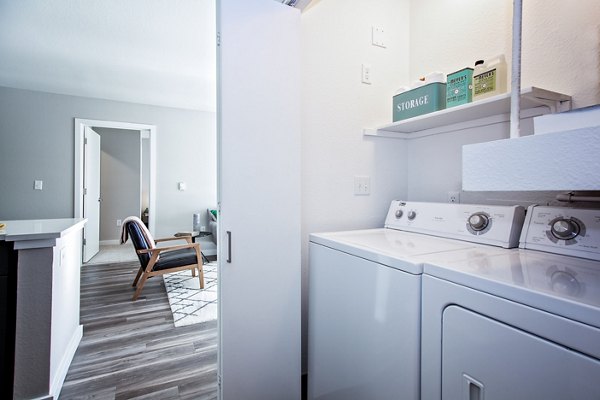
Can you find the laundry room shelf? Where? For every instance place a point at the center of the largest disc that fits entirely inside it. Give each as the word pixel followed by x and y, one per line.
pixel 534 102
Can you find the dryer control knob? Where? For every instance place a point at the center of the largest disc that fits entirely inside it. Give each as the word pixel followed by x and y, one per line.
pixel 565 229
pixel 399 214
pixel 412 215
pixel 478 221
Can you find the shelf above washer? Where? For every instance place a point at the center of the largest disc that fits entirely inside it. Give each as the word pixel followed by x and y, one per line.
pixel 534 102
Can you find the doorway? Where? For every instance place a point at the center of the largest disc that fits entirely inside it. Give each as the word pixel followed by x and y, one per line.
pixel 103 221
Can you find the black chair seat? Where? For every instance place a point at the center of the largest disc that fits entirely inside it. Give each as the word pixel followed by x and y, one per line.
pixel 175 258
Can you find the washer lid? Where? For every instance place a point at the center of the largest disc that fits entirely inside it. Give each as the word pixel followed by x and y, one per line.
pixel 390 247
pixel 562 285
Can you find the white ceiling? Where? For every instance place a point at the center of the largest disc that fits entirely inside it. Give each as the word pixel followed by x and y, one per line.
pixel 159 52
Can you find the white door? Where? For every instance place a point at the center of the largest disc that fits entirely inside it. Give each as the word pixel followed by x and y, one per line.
pixel 91 194
pixel 259 199
pixel 486 359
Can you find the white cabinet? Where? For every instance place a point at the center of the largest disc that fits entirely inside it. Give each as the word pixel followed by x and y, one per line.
pixel 259 199
pixel 485 359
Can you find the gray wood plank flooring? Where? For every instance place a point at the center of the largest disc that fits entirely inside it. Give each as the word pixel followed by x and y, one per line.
pixel 131 350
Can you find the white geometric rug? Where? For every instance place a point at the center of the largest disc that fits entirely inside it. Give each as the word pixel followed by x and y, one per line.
pixel 190 304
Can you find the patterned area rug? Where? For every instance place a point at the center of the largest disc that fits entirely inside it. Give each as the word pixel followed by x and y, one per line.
pixel 190 304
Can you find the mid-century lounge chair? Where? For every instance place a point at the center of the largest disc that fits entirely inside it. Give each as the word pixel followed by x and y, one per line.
pixel 162 260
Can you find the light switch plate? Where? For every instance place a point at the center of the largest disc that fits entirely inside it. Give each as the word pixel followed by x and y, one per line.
pixel 38 185
pixel 378 37
pixel 181 186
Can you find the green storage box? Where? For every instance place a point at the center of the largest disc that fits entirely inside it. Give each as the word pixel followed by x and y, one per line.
pixel 419 101
pixel 459 89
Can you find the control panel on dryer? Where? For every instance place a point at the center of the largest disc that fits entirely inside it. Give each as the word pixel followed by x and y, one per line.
pixel 562 230
pixel 495 225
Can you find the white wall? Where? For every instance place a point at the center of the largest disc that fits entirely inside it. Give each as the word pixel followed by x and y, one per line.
pixel 336 37
pixel 36 132
pixel 120 178
pixel 561 52
pixel 560 41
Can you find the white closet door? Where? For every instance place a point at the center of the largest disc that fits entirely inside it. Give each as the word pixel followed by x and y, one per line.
pixel 91 197
pixel 259 199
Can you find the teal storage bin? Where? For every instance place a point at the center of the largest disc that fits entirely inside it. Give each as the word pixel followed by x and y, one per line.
pixel 459 89
pixel 419 101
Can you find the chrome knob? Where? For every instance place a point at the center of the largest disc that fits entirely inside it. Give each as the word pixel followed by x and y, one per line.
pixel 412 215
pixel 399 214
pixel 565 229
pixel 478 221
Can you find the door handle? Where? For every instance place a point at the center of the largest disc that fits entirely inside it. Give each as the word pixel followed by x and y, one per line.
pixel 229 246
pixel 472 389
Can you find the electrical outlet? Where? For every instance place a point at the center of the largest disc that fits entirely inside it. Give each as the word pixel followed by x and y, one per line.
pixel 119 222
pixel 203 228
pixel 362 185
pixel 453 197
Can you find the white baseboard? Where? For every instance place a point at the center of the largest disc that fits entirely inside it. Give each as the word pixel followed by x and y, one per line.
pixel 65 362
pixel 109 242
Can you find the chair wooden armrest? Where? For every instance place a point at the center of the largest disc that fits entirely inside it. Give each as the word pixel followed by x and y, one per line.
pixel 186 238
pixel 169 248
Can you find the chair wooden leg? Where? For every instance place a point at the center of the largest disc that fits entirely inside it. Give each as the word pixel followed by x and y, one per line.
pixel 201 276
pixel 137 277
pixel 194 272
pixel 140 287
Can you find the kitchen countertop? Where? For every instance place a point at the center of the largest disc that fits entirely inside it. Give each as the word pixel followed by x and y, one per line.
pixel 37 233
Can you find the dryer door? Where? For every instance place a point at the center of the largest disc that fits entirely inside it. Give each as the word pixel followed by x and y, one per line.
pixel 486 359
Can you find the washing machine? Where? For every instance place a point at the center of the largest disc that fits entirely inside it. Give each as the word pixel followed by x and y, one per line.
pixel 519 324
pixel 364 320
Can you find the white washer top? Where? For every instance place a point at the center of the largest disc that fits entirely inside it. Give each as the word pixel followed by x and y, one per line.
pixel 562 285
pixel 390 247
pixel 417 229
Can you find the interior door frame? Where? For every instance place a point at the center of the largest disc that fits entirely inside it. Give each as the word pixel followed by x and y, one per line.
pixel 80 124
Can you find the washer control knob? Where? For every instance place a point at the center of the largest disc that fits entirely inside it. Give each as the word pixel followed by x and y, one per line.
pixel 399 214
pixel 478 221
pixel 412 215
pixel 565 229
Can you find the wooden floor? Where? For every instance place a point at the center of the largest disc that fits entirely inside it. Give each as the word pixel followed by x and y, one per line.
pixel 131 350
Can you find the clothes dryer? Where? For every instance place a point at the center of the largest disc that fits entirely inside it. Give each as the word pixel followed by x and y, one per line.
pixel 519 324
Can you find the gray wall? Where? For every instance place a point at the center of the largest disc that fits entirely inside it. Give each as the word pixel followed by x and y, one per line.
pixel 37 142
pixel 120 178
pixel 434 166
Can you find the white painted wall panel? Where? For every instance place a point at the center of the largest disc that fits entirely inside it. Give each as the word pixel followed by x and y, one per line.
pixel 336 106
pixel 560 53
pixel 553 161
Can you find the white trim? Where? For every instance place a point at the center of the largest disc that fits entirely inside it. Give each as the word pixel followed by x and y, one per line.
pixel 80 125
pixel 65 363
